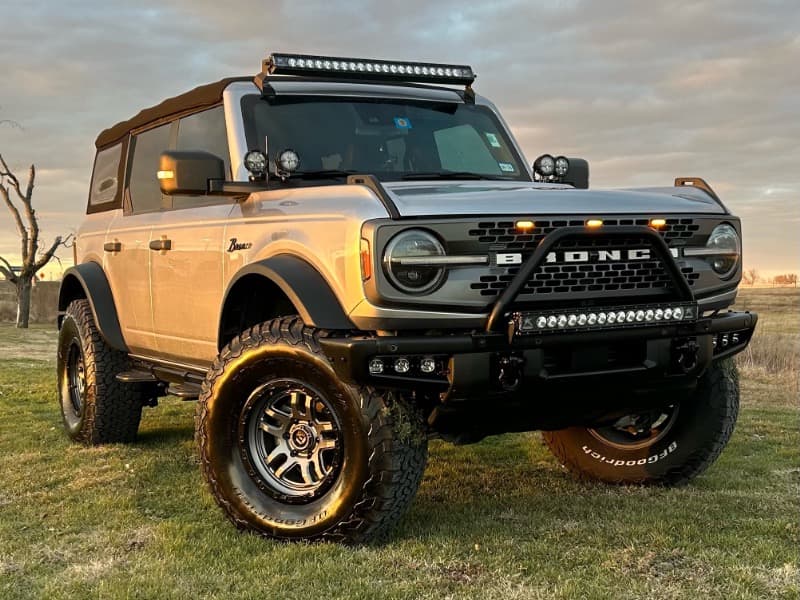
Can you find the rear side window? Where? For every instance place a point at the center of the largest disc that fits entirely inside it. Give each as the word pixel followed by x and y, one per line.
pixel 143 184
pixel 105 178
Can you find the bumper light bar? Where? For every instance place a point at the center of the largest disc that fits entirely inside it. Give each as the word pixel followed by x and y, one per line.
pixel 627 316
pixel 360 68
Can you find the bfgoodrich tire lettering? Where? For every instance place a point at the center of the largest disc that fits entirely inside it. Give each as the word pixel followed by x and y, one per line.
pixel 702 427
pixel 382 441
pixel 95 407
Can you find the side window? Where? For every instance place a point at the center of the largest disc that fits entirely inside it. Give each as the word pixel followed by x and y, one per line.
pixel 142 183
pixel 462 149
pixel 105 176
pixel 204 131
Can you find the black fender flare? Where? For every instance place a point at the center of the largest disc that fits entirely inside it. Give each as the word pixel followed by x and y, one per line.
pixel 90 278
pixel 308 291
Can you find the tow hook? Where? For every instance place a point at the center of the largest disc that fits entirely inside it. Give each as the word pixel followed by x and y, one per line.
pixel 687 355
pixel 510 374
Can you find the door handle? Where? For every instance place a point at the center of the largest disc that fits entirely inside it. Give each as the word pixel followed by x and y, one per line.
pixel 161 245
pixel 114 246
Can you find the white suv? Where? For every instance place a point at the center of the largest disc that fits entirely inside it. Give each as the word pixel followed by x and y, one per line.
pixel 343 257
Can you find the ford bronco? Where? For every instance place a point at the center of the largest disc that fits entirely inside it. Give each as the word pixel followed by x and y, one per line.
pixel 341 258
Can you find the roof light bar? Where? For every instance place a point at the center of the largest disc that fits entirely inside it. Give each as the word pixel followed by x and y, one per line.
pixel 360 68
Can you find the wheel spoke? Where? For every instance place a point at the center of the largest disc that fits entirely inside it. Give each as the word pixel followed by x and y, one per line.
pixel 290 463
pixel 326 444
pixel 277 451
pixel 276 415
pixel 301 405
pixel 273 430
pixel 323 426
pixel 305 471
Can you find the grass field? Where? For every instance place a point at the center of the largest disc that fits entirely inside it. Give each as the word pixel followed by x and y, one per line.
pixel 499 519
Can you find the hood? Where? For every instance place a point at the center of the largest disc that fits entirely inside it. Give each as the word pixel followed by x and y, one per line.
pixel 423 199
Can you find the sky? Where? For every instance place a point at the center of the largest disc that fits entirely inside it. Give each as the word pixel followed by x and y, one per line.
pixel 646 91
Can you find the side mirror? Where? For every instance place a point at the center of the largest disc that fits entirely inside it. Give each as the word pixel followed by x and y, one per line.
pixel 188 171
pixel 578 174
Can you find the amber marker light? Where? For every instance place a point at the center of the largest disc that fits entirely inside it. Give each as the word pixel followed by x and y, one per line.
pixel 165 175
pixel 594 223
pixel 657 223
pixel 525 225
pixel 366 260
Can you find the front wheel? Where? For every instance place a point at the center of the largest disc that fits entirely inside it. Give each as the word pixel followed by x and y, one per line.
pixel 289 451
pixel 669 446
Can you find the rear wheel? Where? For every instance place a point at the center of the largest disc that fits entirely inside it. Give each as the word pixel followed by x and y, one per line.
pixel 95 407
pixel 669 446
pixel 289 451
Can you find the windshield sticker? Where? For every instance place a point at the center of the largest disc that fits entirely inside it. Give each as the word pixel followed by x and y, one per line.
pixel 493 140
pixel 402 123
pixel 506 167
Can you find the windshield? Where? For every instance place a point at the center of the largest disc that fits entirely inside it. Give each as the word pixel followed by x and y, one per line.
pixel 391 139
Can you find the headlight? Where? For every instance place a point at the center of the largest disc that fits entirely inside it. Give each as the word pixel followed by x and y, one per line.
pixel 724 249
pixel 401 260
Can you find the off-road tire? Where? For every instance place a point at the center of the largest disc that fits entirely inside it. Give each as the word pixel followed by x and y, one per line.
pixel 702 427
pixel 110 410
pixel 383 436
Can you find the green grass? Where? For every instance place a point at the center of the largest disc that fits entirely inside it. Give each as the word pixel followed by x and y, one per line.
pixel 499 519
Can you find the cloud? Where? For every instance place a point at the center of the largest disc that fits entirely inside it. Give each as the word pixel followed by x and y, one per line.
pixel 646 91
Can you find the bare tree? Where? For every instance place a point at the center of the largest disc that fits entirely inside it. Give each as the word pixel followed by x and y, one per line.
pixel 750 276
pixel 23 277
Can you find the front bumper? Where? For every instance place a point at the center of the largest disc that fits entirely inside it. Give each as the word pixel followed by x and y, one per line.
pixel 471 364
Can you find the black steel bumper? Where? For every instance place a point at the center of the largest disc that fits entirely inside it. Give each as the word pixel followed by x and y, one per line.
pixel 471 363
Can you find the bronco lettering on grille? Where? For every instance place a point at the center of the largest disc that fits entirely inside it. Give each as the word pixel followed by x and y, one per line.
pixel 583 256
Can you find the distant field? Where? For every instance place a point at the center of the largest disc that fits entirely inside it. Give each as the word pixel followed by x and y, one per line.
pixel 499 519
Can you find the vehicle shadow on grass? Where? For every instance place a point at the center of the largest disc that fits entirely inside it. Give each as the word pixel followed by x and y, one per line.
pixel 508 487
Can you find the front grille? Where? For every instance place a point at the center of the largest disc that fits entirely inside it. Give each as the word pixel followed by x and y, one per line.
pixel 504 235
pixel 618 277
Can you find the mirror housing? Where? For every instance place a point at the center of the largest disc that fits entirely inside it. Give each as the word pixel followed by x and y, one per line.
pixel 188 171
pixel 578 174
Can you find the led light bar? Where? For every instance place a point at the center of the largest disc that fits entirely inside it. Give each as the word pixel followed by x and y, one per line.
pixel 604 318
pixel 361 68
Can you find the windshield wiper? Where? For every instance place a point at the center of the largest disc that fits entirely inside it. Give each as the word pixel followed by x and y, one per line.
pixel 447 175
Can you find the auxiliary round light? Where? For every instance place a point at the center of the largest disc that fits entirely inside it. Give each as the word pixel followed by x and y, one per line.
pixel 288 161
pixel 582 318
pixel 255 162
pixel 677 313
pixel 552 321
pixel 592 319
pixel 545 165
pixel 541 322
pixel 602 318
pixel 639 316
pixel 621 316
pixel 610 317
pixel 401 365
pixel 561 166
pixel 667 314
pixel 649 315
pixel 572 320
pixel 630 317
pixel 659 314
pixel 562 321
pixel 376 366
pixel 427 365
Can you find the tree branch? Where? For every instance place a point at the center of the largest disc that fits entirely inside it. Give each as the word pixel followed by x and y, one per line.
pixel 50 252
pixel 8 271
pixel 23 231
